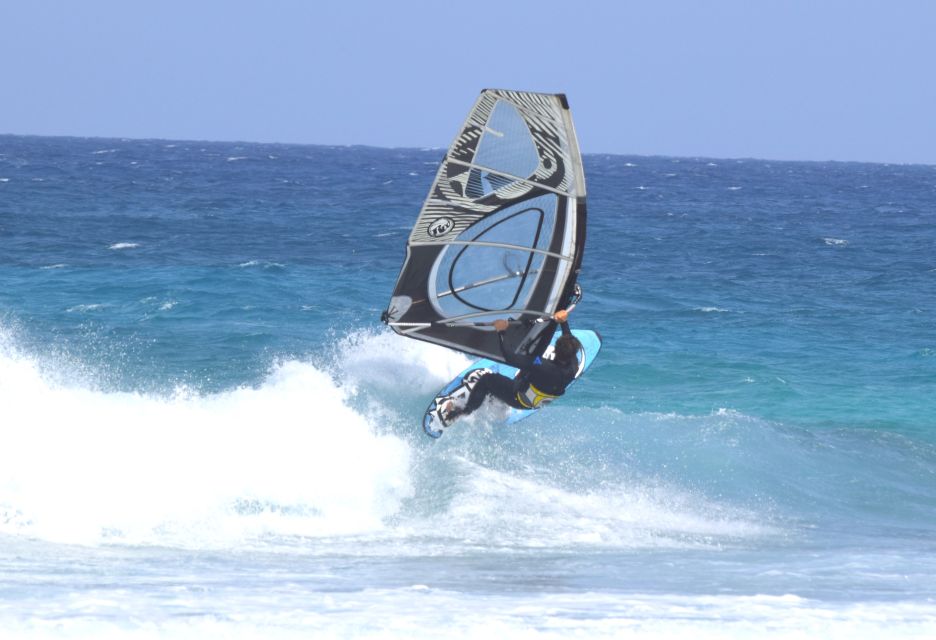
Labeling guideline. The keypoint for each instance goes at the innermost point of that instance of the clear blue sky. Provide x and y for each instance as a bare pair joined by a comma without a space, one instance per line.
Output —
795,79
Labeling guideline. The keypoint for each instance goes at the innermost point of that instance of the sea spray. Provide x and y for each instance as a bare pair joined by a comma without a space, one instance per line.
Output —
287,457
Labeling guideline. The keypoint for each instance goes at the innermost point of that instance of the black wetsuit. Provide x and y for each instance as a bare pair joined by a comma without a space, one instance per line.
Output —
538,380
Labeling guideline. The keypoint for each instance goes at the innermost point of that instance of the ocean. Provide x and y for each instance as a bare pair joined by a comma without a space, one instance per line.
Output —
205,430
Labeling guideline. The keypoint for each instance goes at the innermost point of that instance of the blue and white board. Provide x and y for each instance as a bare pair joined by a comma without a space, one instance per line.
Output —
459,388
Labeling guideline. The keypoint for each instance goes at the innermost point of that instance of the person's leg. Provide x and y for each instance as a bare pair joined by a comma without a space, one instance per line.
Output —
494,384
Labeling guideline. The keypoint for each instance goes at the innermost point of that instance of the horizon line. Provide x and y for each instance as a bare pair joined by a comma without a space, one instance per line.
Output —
442,148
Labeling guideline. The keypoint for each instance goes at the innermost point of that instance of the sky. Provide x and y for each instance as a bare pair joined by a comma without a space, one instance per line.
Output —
786,80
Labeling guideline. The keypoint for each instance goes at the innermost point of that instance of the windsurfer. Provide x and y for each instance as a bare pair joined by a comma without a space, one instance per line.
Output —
539,380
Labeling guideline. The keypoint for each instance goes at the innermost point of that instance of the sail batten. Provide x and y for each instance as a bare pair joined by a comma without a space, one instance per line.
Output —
501,232
499,245
508,176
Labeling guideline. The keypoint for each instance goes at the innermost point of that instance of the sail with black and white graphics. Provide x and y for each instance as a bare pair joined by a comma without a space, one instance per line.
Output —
501,233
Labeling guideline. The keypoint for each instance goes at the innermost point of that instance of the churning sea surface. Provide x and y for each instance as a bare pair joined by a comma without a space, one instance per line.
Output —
205,430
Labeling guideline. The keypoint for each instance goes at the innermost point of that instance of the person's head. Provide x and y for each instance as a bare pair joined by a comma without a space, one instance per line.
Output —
567,348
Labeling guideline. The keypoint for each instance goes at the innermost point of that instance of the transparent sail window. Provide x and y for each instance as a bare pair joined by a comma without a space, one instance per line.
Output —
490,266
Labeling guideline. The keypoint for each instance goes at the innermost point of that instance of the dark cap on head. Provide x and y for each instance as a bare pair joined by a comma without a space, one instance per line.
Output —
567,348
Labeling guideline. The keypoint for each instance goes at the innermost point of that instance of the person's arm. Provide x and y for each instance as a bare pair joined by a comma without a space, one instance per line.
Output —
513,359
520,361
562,317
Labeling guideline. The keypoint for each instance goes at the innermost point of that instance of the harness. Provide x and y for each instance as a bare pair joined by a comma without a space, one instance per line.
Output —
532,397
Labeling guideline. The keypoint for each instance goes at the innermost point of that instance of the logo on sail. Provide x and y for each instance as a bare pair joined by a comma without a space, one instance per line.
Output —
440,226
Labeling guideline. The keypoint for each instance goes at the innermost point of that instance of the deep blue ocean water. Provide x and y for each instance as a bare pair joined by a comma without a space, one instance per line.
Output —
206,431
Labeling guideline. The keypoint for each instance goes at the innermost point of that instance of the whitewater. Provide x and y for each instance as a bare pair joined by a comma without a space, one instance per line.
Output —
205,430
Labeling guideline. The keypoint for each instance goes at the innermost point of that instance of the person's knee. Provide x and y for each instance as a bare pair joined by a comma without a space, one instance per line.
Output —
484,382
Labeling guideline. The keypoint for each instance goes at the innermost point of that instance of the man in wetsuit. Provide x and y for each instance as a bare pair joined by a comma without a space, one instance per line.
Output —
539,380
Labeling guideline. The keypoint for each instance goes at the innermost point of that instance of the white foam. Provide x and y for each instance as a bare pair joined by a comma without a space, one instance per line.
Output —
299,456
289,457
530,512
427,612
118,246
84,308
385,361
835,242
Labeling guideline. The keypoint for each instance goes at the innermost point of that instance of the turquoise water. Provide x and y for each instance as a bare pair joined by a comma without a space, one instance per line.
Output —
205,428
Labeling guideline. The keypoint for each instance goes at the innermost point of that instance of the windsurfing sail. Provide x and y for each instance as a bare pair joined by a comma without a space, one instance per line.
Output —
501,233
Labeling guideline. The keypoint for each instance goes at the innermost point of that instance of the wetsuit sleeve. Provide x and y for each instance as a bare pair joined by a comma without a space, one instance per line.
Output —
520,361
513,359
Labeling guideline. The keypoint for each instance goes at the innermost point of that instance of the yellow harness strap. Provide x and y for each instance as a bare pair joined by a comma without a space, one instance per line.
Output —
532,398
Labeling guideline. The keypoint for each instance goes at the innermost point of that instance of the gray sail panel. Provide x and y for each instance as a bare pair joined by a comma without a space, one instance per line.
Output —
497,267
